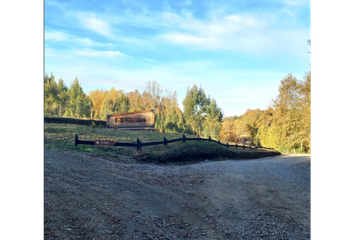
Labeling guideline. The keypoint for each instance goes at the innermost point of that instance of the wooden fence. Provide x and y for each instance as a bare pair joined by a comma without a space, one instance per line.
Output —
140,144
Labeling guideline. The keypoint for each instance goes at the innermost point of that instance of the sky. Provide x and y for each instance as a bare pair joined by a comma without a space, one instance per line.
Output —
238,51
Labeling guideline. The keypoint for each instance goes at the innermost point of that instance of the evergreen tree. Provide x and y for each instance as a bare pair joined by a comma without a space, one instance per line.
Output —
79,104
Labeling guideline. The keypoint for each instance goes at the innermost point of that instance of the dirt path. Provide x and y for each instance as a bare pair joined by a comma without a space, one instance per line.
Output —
96,198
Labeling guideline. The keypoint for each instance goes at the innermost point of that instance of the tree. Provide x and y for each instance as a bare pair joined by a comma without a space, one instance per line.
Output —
97,97
62,96
121,104
85,106
195,106
212,124
107,104
227,133
135,101
152,97
79,104
50,95
287,124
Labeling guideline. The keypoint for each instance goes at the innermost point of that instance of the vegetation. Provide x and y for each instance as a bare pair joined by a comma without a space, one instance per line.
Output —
59,100
202,114
61,137
285,125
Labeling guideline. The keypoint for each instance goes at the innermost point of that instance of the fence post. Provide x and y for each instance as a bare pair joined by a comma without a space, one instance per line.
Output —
138,144
164,141
243,145
76,139
219,141
209,139
184,138
236,143
227,145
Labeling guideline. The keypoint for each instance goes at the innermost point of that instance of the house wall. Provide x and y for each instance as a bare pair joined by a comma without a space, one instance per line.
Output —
139,119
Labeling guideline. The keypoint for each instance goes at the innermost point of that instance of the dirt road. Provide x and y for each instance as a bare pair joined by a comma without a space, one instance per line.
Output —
94,198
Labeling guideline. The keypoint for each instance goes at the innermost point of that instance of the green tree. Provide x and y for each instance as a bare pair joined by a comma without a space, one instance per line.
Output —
50,95
79,104
121,104
212,124
195,106
62,96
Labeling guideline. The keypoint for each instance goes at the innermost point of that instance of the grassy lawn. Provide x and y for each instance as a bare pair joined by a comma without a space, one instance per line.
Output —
61,137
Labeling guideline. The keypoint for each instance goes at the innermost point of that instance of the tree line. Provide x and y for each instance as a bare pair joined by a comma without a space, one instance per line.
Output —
284,126
201,114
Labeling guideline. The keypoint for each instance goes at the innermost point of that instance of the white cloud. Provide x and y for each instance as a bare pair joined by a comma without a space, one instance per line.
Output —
148,60
93,53
245,33
56,36
89,21
297,3
185,39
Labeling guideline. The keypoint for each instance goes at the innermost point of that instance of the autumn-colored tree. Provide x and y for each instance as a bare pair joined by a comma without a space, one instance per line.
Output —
147,102
171,113
285,125
135,101
112,101
97,97
227,133
289,128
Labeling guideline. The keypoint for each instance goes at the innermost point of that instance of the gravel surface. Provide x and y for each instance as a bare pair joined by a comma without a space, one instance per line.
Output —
86,197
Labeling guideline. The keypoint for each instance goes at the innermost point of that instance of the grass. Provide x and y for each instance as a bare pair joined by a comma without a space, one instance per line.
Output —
61,137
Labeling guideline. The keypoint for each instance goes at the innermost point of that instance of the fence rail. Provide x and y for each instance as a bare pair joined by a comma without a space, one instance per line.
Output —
140,144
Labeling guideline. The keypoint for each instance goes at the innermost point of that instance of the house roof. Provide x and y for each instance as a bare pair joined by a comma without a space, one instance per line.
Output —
129,113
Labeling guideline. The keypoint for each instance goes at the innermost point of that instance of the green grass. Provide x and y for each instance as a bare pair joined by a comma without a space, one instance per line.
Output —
61,137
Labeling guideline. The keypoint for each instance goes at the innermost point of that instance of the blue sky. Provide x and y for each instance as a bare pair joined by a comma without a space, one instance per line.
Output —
238,51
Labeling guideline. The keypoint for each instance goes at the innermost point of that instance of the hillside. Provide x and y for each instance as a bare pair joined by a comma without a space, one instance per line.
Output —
61,137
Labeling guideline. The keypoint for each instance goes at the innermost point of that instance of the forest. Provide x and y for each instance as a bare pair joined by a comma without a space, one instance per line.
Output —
284,126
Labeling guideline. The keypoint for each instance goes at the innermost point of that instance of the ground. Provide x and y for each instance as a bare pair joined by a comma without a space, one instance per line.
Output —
88,197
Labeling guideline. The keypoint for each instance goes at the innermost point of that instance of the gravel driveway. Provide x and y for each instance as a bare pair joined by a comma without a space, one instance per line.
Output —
86,197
